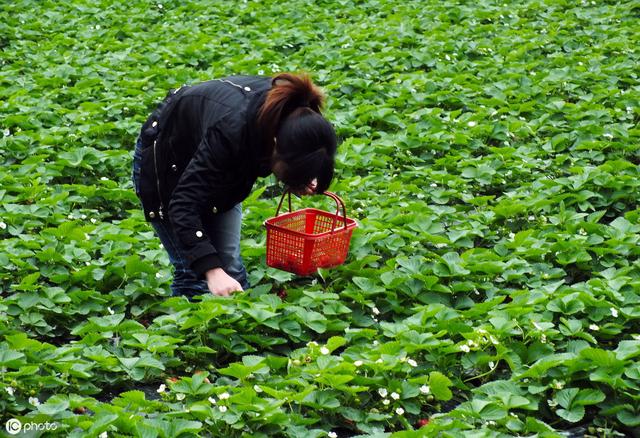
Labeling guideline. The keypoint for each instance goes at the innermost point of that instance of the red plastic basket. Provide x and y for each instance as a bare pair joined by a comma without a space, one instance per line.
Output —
304,240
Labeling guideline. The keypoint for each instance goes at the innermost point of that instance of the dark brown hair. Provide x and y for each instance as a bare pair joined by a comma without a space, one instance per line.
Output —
303,142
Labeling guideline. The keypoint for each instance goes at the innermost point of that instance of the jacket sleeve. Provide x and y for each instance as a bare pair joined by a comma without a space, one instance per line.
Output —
202,183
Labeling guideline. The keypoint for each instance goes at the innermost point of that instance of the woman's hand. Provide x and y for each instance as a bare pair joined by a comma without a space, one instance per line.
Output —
220,283
309,189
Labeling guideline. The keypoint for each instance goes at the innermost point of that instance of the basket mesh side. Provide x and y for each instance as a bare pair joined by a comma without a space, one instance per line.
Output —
305,254
285,250
324,223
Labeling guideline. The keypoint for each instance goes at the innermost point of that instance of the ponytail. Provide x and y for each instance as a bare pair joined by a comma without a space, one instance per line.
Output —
302,141
288,93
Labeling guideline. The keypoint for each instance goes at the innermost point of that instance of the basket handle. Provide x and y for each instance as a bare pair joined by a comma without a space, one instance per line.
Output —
339,203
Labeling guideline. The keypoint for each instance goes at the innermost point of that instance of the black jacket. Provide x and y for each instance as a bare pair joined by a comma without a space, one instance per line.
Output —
202,153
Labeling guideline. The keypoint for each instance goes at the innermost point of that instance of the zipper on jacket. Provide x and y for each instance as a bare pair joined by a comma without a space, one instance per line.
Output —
235,85
155,165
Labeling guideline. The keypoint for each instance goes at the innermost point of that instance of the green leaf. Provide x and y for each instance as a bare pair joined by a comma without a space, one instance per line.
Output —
335,342
322,400
145,430
134,266
627,350
572,415
629,418
588,397
368,285
179,426
291,327
54,405
11,358
439,384
260,314
566,396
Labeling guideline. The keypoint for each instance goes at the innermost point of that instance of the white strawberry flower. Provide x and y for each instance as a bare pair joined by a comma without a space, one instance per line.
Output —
465,348
324,350
332,435
395,395
614,312
222,408
180,396
3,225
358,363
161,388
256,388
471,124
412,362
594,327
386,401
424,389
224,396
400,411
34,401
383,392
212,400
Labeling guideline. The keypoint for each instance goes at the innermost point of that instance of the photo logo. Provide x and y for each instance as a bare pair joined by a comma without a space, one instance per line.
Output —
13,426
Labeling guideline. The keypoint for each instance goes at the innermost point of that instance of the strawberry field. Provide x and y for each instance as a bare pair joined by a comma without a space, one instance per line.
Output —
489,152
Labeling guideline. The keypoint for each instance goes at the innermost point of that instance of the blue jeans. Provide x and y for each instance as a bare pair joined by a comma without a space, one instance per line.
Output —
224,229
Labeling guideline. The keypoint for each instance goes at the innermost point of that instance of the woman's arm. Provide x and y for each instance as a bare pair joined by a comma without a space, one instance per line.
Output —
201,187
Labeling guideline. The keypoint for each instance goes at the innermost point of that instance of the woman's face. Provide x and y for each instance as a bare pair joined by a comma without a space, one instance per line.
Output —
279,169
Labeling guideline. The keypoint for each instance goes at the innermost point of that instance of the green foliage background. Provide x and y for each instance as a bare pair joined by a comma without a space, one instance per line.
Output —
490,155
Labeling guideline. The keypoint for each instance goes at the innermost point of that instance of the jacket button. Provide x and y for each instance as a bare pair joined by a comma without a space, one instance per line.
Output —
214,209
174,167
198,233
247,89
155,123
152,214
